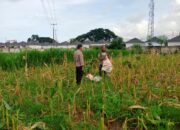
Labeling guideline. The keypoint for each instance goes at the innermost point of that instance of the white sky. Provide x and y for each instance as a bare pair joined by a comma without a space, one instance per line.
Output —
127,18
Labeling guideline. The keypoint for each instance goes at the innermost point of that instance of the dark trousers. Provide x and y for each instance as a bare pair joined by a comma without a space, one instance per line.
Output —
100,70
79,74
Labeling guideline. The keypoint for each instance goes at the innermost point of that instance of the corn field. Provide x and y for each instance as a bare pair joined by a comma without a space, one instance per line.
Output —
37,58
38,91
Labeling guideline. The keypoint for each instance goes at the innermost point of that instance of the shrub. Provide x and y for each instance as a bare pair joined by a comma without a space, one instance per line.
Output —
117,44
137,49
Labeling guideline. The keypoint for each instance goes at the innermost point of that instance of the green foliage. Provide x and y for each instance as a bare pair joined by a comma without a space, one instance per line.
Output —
31,108
36,58
34,38
96,35
142,94
163,40
57,122
117,44
37,39
137,49
170,113
127,63
85,126
153,39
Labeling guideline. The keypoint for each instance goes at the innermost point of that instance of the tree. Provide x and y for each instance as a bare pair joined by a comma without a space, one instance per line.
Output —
34,38
117,43
45,40
96,35
163,40
29,40
37,39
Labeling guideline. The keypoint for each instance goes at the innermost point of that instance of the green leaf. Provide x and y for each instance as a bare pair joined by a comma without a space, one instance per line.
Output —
6,105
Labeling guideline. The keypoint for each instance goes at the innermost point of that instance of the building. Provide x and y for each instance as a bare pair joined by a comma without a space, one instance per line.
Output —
67,45
134,41
174,42
153,42
11,41
93,44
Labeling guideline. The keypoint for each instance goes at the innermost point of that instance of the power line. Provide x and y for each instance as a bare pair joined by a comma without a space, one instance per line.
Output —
54,10
50,12
54,24
50,8
46,11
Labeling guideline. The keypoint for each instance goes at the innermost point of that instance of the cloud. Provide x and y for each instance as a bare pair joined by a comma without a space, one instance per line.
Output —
137,26
67,2
131,30
11,1
76,2
177,1
25,17
136,18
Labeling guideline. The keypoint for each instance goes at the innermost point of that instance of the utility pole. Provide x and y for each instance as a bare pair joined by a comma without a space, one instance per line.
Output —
53,27
172,34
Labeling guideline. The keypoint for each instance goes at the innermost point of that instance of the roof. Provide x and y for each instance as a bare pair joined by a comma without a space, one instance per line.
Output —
64,43
135,40
154,39
175,39
2,45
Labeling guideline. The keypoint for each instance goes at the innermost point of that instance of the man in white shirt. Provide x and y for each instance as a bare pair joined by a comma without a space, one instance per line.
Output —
103,55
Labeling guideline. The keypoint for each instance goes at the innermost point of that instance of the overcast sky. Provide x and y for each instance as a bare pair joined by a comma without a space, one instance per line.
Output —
19,19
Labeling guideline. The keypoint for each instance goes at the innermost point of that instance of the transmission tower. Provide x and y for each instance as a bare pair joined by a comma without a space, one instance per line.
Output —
54,31
151,19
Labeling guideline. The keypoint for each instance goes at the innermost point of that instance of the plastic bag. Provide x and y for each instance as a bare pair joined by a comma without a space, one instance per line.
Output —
94,78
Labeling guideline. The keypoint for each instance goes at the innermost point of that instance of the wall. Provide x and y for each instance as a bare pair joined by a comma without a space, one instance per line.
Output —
49,47
174,44
154,44
165,50
129,45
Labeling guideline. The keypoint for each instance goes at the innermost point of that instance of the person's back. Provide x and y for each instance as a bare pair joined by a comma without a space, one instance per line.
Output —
79,62
78,58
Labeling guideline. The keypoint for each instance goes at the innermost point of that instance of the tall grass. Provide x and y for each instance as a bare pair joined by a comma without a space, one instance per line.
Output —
142,93
9,61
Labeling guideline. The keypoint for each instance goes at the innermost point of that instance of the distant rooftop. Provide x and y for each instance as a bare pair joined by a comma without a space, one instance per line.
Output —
135,40
175,39
154,39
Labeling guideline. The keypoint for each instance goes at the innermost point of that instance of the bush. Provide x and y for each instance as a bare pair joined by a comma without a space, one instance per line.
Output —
117,44
137,49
